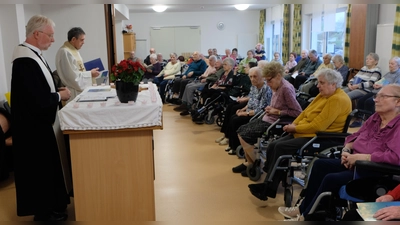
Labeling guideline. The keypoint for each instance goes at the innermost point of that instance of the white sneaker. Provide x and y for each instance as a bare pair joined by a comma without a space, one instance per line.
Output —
289,212
298,218
219,139
224,141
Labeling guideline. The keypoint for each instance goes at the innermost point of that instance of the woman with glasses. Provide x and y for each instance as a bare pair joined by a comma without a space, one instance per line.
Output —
377,141
283,103
392,77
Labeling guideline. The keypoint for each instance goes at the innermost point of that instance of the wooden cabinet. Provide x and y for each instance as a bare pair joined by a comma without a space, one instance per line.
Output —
129,44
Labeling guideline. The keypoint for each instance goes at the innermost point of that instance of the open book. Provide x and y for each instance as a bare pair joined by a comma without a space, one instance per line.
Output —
368,209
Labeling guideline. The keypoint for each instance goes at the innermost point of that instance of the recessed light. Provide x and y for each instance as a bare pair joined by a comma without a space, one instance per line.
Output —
241,6
159,8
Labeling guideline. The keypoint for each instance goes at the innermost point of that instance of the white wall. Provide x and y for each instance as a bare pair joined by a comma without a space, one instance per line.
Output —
387,13
236,22
90,18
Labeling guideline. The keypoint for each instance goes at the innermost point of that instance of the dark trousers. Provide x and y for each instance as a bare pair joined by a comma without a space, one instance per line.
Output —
286,145
325,175
234,124
366,102
229,111
180,84
299,80
161,83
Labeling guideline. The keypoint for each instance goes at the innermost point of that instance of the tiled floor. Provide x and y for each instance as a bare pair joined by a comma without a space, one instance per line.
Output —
193,181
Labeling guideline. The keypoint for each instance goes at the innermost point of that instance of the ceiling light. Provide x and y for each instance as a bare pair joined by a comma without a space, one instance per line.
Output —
159,8
241,6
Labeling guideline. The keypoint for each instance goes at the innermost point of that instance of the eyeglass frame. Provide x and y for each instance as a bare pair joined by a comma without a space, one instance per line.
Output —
380,96
48,35
269,80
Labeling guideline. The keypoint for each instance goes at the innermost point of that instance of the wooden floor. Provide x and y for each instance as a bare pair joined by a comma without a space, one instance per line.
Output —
194,180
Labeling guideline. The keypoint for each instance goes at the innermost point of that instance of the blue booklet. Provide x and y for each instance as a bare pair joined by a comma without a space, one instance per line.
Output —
95,63
368,209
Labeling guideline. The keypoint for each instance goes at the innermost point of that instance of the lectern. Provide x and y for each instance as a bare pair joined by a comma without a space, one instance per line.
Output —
112,155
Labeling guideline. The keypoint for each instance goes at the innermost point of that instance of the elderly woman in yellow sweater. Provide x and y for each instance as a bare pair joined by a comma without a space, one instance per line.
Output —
327,112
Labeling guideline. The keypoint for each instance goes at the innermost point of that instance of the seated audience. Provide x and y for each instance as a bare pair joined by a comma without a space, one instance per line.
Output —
227,54
205,78
215,52
132,56
277,58
259,53
259,97
367,102
327,112
283,103
338,62
376,140
363,81
162,61
153,69
195,69
210,53
291,63
147,59
172,68
235,55
262,63
300,65
245,61
308,70
232,108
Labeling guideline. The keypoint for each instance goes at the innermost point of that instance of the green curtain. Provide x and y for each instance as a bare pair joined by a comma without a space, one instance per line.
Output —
347,38
262,24
285,33
296,36
396,34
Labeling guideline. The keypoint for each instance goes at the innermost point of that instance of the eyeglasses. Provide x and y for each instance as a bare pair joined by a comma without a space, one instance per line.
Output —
49,35
379,96
269,79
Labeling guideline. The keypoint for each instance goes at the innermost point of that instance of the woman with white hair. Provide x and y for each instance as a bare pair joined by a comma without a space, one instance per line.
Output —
327,113
153,69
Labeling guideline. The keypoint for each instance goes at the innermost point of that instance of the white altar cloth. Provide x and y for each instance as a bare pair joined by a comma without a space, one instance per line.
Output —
111,114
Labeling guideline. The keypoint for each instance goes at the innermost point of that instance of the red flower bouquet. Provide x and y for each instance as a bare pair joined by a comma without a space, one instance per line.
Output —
128,71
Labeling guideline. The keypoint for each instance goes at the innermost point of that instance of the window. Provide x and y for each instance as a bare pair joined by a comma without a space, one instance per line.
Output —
276,38
328,32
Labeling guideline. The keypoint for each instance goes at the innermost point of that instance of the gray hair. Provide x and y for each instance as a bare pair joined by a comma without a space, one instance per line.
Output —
262,63
213,57
230,61
252,51
153,56
396,59
257,70
312,51
37,22
328,55
338,58
331,76
374,56
173,53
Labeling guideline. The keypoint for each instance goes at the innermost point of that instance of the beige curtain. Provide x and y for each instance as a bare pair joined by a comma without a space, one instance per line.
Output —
285,33
347,38
396,34
261,28
296,35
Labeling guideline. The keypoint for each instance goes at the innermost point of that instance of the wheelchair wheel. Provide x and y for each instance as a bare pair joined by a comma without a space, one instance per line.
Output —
209,119
254,171
240,152
288,197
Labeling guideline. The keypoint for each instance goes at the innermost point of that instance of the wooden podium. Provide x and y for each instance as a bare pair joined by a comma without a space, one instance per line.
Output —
112,169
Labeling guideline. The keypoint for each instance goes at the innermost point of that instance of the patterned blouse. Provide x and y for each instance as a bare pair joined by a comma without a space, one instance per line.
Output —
259,98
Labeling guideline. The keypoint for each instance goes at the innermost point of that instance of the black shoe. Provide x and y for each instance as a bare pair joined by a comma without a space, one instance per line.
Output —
184,113
239,169
180,108
258,190
53,216
244,173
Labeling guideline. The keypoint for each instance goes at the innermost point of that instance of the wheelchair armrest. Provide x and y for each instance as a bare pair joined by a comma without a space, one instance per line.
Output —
378,167
286,119
332,135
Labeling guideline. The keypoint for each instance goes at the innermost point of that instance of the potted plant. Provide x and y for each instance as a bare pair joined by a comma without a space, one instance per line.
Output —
127,75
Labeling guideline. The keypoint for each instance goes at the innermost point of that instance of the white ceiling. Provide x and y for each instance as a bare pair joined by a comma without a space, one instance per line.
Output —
146,8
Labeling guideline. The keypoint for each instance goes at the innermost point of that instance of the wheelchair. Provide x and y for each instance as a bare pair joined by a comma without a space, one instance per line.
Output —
210,109
273,132
325,144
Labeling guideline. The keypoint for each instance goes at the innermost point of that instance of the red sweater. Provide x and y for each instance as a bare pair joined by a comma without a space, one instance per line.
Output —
395,193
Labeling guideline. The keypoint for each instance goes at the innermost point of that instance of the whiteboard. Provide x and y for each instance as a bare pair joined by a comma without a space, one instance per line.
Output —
384,38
